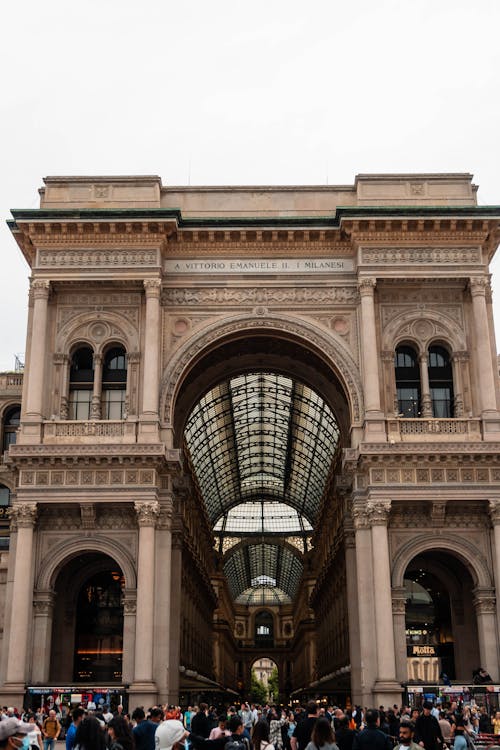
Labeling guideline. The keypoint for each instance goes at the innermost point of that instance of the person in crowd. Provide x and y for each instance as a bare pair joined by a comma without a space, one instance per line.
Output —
35,738
169,733
344,735
77,716
120,734
427,730
200,723
144,730
247,718
303,731
459,742
51,729
445,727
484,724
90,735
496,723
107,715
260,736
220,730
322,737
481,677
188,714
13,733
275,724
405,737
372,738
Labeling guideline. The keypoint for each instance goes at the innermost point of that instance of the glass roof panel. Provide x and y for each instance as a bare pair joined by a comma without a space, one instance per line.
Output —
261,445
263,595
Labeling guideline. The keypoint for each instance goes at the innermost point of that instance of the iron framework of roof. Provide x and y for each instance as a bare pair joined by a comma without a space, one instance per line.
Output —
261,446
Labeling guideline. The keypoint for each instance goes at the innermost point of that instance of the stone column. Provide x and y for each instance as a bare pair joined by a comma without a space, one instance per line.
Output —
386,687
63,361
129,615
374,428
143,686
151,354
484,364
43,609
425,395
365,603
95,410
485,607
40,289
352,611
162,609
494,507
175,616
458,387
24,516
399,626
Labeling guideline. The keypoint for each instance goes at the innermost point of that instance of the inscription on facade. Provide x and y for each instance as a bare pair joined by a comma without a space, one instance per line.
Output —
260,265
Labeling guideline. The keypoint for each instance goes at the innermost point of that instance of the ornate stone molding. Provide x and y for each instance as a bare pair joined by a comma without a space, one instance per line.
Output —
88,515
360,515
367,286
484,601
152,287
421,255
494,508
133,358
85,260
438,512
40,288
147,512
398,601
378,512
43,603
261,295
23,515
130,603
479,286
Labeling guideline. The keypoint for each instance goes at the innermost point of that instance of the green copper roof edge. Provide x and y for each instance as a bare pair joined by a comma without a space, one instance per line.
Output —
332,220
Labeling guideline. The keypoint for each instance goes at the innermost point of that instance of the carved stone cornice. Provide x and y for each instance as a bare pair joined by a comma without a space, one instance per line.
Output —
23,515
378,512
147,512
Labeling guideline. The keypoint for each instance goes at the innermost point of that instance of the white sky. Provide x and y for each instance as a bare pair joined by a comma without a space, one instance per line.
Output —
220,92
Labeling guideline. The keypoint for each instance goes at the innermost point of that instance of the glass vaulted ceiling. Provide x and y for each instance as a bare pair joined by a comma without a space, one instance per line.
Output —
261,445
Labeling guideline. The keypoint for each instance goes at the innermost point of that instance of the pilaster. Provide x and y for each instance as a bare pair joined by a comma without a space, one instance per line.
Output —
149,418
374,418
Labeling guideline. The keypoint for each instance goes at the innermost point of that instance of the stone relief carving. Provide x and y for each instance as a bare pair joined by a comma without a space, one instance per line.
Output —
260,295
420,255
85,260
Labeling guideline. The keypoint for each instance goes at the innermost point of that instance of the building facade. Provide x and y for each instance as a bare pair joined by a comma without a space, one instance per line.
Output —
254,423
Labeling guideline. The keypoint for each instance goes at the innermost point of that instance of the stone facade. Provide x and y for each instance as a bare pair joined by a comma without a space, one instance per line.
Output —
182,279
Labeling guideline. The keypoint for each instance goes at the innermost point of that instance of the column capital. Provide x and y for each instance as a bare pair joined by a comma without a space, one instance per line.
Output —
360,516
367,286
479,286
40,288
387,356
494,508
147,512
43,603
60,358
166,511
484,601
97,358
130,602
378,512
133,357
398,600
23,515
460,356
152,287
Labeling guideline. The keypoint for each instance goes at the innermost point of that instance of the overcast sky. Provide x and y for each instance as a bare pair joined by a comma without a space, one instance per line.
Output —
260,92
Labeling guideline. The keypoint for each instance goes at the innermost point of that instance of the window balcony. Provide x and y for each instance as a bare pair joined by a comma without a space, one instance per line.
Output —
92,431
433,430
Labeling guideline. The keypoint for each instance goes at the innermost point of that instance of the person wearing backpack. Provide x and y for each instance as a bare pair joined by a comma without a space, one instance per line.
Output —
235,742
260,736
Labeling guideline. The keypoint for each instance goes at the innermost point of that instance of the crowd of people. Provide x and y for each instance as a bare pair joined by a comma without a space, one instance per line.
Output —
251,727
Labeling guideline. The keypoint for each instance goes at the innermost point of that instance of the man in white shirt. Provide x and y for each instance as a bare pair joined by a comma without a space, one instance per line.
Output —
406,730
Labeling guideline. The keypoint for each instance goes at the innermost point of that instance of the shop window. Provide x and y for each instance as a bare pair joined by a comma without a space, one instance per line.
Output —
81,383
440,382
10,424
407,382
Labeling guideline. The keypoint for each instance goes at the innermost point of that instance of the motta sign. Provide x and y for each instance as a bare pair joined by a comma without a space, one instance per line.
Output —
259,265
422,651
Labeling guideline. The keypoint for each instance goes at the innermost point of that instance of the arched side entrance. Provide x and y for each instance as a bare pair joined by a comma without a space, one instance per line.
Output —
449,621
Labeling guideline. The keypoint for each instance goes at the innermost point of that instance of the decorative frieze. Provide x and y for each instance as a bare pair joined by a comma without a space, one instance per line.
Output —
88,514
87,477
87,260
434,475
421,255
260,295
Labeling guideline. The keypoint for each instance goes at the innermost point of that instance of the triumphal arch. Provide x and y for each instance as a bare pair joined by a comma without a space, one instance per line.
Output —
255,423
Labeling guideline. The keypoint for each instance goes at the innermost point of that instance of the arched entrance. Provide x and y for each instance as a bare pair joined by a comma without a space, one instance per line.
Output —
87,632
262,417
265,678
440,620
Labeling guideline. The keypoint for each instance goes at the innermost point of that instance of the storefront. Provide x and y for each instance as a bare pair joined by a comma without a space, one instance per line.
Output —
70,696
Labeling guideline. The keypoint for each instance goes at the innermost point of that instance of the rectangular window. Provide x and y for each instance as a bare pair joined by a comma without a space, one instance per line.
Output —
80,401
113,403
408,403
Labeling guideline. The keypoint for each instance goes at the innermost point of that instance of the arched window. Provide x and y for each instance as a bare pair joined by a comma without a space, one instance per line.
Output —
114,384
10,425
81,383
264,629
407,381
4,497
440,382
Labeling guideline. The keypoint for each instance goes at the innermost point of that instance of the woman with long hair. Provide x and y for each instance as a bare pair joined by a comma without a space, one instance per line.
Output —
260,736
120,734
322,737
90,735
